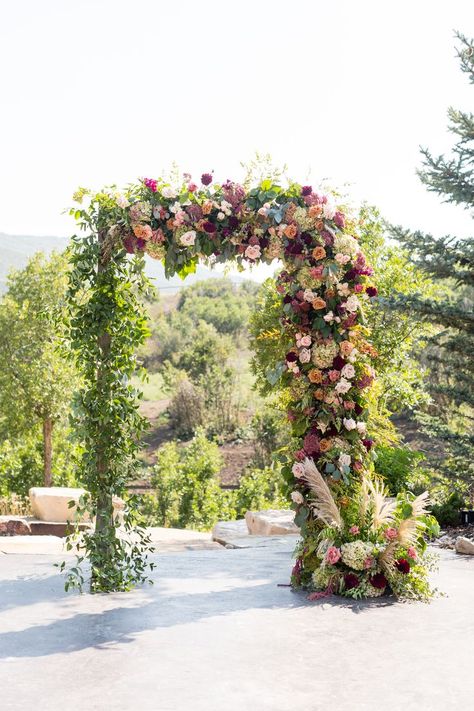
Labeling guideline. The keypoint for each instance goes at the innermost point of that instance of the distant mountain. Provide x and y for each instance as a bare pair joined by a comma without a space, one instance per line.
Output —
15,250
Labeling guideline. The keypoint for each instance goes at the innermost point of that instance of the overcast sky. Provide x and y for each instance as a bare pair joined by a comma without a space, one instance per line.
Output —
104,91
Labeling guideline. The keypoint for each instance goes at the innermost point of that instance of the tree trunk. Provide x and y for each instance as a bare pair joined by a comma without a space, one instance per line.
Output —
104,525
47,451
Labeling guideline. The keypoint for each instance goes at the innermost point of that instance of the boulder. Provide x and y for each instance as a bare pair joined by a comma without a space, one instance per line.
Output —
271,522
464,545
14,526
225,530
52,504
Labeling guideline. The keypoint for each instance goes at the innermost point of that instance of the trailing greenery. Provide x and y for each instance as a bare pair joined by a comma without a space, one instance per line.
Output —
106,326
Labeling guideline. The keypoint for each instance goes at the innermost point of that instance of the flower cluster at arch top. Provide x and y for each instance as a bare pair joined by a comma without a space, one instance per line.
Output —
323,286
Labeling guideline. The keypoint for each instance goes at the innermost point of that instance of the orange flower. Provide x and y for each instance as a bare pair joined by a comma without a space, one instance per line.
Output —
319,252
315,376
325,445
320,225
315,210
206,207
291,231
330,294
346,348
318,303
142,231
319,394
170,223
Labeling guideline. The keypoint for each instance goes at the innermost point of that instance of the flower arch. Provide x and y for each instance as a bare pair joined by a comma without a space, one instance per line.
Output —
327,371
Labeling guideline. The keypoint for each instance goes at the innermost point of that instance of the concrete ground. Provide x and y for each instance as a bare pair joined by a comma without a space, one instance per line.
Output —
217,633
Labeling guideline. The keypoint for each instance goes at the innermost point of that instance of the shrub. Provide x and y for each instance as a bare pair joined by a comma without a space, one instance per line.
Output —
260,489
270,432
399,466
186,408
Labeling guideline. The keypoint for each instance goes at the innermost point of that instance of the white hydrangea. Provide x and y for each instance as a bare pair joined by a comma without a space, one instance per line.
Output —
355,553
322,576
346,244
370,591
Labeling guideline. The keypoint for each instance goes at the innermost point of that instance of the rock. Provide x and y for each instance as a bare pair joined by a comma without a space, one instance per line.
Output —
14,526
225,530
464,545
271,522
52,504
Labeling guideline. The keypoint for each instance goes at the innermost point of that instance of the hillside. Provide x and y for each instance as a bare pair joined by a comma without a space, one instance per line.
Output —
15,250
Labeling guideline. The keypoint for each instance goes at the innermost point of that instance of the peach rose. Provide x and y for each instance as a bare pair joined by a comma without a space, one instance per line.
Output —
290,231
315,210
206,207
318,303
346,348
325,445
315,376
319,252
319,394
142,231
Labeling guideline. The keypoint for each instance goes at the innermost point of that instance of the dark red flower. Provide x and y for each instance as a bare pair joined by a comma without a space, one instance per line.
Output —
338,363
129,243
403,566
140,244
291,357
378,581
206,178
371,291
368,444
233,222
311,443
210,227
351,581
306,190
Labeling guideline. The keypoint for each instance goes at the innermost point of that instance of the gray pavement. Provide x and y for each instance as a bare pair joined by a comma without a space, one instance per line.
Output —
216,633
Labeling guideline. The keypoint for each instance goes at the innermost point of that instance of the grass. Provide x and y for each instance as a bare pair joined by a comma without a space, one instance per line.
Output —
152,387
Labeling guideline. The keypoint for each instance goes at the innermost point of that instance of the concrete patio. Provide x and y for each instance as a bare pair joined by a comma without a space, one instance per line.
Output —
217,633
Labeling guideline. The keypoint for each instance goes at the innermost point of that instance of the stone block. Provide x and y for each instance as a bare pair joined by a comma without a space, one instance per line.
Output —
271,522
464,545
14,526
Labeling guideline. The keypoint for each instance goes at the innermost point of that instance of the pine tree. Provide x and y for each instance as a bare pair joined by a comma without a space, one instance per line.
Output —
450,263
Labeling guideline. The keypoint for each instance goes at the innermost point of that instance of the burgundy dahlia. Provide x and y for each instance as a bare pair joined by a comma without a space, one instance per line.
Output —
368,444
378,581
233,222
129,244
338,363
311,443
403,566
206,178
306,190
209,227
291,357
371,291
351,581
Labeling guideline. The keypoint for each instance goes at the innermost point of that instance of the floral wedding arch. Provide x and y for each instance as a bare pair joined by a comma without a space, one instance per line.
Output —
354,541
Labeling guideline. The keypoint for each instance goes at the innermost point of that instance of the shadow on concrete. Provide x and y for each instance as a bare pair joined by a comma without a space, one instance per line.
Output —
179,597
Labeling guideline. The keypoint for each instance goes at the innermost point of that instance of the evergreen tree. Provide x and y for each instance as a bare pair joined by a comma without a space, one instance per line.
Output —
450,263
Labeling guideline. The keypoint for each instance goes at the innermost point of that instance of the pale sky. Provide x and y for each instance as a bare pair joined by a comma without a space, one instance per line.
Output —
104,91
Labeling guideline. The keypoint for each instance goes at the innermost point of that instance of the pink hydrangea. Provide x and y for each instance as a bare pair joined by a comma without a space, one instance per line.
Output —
390,533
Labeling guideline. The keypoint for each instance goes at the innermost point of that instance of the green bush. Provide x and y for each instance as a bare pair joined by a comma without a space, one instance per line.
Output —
21,462
399,466
260,489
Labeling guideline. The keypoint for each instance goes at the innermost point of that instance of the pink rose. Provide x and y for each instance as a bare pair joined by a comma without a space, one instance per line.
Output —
333,554
390,533
253,251
358,288
298,469
334,375
354,530
411,552
305,341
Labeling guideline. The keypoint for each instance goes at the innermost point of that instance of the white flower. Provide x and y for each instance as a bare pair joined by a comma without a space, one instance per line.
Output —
298,469
309,295
349,423
343,289
355,553
348,371
346,244
303,341
344,460
361,428
329,317
220,216
175,207
297,497
121,200
188,238
305,355
343,386
352,303
169,193
342,258
226,207
329,208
